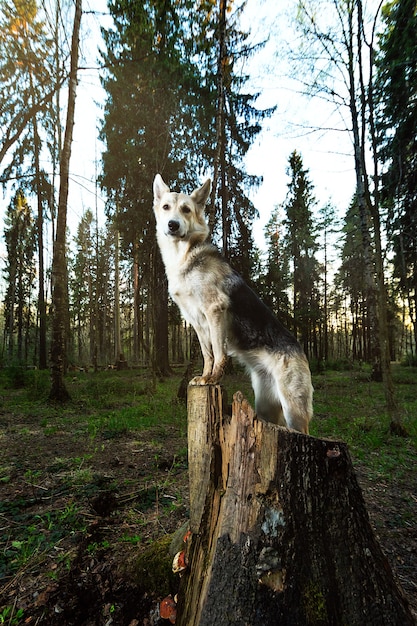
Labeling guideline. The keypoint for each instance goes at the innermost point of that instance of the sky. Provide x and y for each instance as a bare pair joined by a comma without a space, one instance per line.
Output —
297,124
327,155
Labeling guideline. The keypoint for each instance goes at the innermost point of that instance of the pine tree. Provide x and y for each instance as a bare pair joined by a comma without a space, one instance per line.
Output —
275,282
237,121
147,117
20,273
350,280
301,244
25,74
396,89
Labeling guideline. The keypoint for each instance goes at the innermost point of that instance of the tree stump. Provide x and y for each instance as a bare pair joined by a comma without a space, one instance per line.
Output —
280,532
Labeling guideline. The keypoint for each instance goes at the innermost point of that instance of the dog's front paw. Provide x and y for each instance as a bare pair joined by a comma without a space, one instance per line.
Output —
204,380
198,380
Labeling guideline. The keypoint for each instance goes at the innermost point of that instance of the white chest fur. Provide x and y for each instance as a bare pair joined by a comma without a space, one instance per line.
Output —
180,286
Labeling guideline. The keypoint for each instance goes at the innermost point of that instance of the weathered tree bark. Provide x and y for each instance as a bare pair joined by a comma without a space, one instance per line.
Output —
280,532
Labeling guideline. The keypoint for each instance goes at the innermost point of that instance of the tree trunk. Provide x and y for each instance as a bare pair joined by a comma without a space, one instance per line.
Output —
43,361
117,336
218,161
195,353
160,361
364,216
393,409
58,391
280,533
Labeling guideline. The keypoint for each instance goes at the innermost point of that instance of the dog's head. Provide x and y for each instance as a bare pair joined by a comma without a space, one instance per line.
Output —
180,216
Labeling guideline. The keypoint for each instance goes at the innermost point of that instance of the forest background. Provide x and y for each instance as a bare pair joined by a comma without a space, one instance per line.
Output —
180,100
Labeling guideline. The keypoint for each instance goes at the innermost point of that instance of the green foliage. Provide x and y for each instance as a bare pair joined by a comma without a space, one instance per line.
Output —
95,547
34,535
37,384
135,539
19,235
396,90
25,65
300,241
410,360
14,376
9,615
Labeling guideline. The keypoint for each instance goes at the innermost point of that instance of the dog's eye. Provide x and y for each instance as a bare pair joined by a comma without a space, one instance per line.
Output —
186,209
166,207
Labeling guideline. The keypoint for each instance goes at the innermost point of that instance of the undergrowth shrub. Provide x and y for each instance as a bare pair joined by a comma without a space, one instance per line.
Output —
14,376
37,384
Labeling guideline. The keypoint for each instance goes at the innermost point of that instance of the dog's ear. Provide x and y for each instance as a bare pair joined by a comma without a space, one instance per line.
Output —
159,188
201,194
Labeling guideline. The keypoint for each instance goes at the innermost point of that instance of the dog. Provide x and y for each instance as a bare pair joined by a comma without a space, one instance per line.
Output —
228,317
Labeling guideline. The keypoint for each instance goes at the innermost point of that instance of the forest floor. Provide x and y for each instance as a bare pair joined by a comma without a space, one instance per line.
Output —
90,494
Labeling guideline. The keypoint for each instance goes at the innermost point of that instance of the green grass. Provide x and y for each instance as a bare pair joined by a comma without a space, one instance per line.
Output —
348,406
108,405
9,615
103,402
34,535
103,406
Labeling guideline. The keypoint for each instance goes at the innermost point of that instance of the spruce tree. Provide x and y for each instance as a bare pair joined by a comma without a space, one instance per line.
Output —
350,282
151,98
301,244
19,273
238,122
396,90
165,65
275,282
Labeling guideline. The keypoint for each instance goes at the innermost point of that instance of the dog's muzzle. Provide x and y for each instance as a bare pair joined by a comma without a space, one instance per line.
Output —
173,227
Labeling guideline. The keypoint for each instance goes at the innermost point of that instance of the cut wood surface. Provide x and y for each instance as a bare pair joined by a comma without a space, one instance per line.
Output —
280,532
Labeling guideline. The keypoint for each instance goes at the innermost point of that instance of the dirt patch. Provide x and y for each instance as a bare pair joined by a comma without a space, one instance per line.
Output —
77,513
